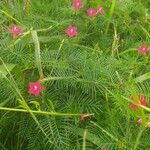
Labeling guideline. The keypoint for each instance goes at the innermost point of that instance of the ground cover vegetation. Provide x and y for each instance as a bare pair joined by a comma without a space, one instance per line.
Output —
74,75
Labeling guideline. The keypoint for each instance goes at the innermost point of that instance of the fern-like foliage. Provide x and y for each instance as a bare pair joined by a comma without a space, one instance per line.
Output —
96,73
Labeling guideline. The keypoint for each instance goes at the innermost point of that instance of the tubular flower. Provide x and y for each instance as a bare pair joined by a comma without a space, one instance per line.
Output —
35,88
77,4
71,31
15,30
91,12
143,49
141,100
100,10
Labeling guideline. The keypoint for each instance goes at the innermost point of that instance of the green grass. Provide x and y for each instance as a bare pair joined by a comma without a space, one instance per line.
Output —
96,72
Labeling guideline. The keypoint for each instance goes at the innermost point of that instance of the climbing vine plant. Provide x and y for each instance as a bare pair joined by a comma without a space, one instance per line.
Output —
74,75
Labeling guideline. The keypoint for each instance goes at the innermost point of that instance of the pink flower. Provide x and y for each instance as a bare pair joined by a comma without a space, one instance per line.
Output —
142,101
35,88
100,10
77,4
71,31
143,49
15,30
84,116
134,106
92,12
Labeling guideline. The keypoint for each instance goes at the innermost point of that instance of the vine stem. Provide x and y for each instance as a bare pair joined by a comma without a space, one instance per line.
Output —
56,78
103,130
24,104
138,139
111,11
9,16
84,140
57,55
38,112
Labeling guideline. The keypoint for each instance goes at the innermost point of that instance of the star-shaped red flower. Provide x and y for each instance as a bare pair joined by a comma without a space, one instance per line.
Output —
35,88
141,100
71,31
143,49
15,30
77,4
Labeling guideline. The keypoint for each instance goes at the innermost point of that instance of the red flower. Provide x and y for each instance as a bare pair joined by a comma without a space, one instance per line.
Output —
15,30
100,10
84,116
35,88
143,49
92,12
71,31
141,100
134,106
77,4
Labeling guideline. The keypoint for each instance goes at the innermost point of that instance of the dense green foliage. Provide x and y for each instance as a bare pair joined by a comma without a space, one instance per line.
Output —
96,72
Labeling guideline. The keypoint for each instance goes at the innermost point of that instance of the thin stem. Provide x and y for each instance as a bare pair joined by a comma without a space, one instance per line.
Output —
43,30
12,81
19,39
138,139
9,16
142,78
103,130
84,140
110,15
38,112
60,47
2,146
55,78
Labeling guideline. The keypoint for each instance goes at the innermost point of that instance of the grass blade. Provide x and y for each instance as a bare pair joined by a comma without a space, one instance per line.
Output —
37,53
